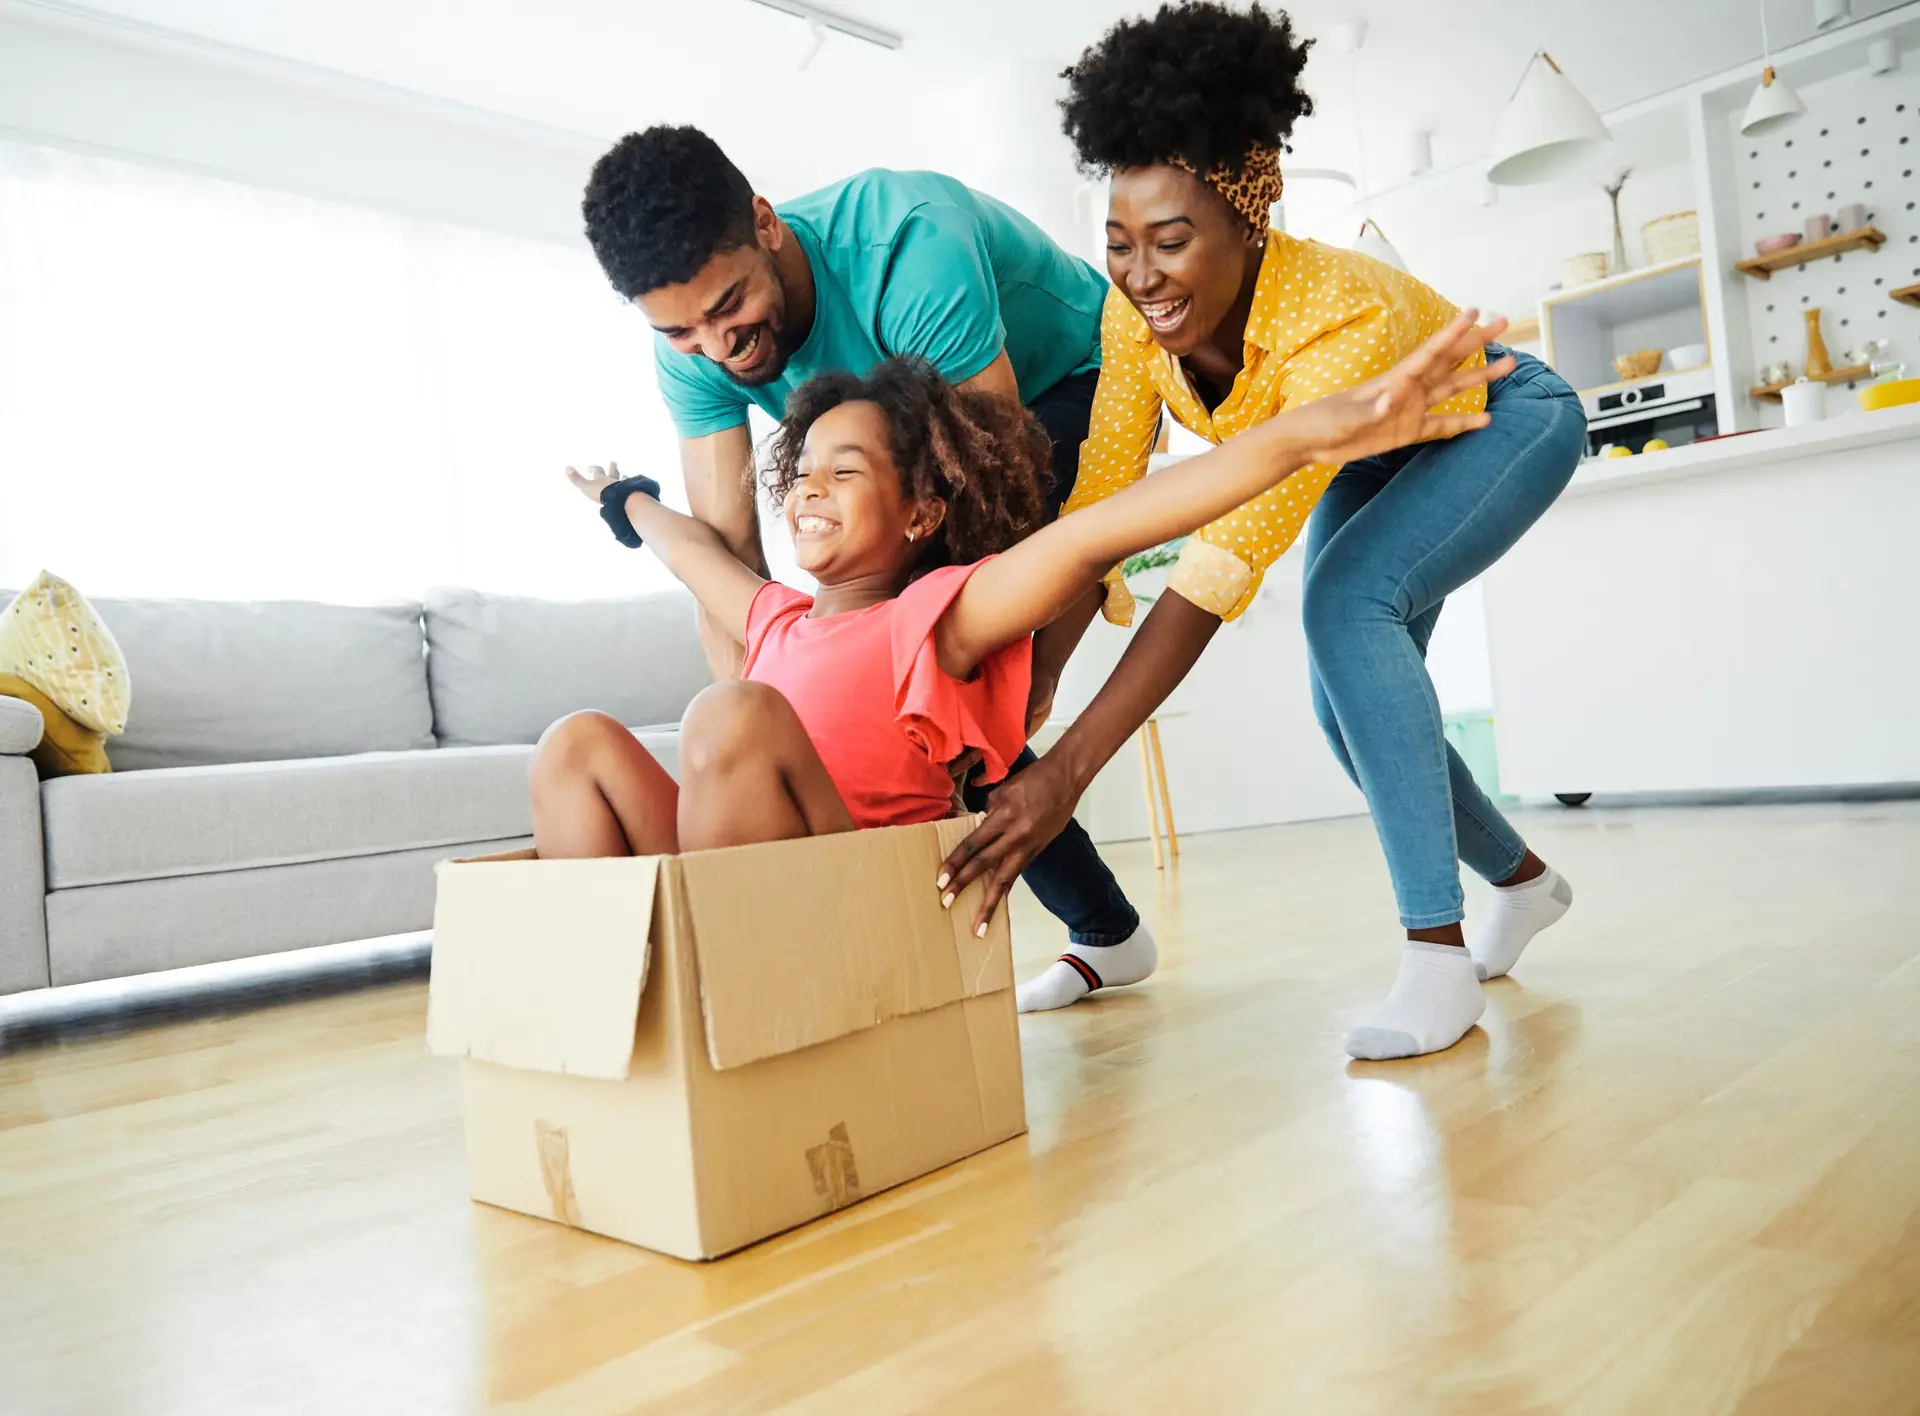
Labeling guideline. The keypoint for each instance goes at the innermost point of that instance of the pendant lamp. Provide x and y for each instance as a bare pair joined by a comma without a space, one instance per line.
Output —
1774,104
1549,129
1372,241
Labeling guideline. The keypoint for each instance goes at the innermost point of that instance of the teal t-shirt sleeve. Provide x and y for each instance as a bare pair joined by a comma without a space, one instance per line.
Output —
940,300
698,404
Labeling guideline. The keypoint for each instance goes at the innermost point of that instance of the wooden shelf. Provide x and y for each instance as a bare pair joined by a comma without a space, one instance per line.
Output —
1763,267
1770,393
1527,331
1907,294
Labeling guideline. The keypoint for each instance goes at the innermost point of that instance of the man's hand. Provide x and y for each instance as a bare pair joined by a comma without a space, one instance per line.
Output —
1391,411
1028,811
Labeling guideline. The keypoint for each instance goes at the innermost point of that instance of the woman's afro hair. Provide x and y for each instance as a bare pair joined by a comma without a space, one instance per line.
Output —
1198,81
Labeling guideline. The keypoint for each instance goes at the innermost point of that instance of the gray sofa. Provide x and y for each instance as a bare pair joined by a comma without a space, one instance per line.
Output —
291,771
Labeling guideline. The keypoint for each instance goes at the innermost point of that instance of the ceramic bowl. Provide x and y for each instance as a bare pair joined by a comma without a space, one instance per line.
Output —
1783,241
1888,395
1687,356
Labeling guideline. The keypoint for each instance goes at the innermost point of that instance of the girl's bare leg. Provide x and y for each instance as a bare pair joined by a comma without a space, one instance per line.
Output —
598,792
750,773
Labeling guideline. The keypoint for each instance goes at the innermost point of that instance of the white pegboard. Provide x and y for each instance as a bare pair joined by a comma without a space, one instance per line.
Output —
1859,142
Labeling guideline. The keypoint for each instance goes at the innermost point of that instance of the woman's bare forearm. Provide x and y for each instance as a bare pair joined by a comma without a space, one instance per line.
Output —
1030,586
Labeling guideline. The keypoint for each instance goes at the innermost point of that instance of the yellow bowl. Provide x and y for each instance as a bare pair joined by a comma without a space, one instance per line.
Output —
1638,364
1888,395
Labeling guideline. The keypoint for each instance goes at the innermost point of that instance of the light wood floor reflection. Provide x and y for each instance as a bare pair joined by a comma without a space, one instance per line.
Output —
1676,1170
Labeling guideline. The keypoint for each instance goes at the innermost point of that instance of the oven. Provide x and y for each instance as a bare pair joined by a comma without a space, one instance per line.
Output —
1676,409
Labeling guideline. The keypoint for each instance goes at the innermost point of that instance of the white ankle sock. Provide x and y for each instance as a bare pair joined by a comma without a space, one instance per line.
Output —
1517,914
1433,1001
1085,967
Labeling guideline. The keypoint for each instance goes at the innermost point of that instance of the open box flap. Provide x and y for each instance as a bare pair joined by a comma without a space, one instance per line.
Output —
800,942
539,964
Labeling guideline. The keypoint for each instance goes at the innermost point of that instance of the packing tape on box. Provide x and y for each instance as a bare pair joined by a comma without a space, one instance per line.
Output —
556,1171
836,1179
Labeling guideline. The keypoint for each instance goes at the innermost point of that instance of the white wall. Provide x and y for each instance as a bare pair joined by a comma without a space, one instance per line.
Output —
280,124
333,138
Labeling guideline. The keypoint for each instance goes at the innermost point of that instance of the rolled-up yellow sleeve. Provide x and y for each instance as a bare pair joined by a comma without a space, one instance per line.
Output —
1221,568
1121,429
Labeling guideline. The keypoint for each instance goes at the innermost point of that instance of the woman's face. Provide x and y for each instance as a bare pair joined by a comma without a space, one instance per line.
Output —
1177,250
847,515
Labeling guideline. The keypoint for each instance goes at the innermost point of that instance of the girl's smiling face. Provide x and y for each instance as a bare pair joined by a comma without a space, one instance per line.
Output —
847,514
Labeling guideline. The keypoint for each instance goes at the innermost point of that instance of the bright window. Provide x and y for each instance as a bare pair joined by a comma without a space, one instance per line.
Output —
212,390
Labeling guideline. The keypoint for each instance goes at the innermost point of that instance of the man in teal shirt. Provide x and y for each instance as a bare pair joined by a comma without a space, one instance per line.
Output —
749,301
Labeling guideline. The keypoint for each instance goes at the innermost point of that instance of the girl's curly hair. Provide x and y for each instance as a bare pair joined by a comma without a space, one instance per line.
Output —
1198,81
985,456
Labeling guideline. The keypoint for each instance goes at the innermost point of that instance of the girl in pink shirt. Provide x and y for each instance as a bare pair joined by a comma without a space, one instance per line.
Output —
916,507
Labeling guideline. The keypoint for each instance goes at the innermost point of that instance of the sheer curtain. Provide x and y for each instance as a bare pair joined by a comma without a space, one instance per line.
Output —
209,389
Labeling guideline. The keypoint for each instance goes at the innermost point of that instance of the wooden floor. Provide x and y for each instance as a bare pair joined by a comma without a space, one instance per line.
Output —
1676,1171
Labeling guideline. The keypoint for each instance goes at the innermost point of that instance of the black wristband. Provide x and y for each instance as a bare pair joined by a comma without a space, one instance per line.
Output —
613,506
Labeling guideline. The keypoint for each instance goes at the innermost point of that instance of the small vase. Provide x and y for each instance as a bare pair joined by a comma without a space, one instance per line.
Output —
1818,362
1617,257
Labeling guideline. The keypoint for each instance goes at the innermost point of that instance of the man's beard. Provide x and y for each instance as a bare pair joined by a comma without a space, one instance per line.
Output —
772,368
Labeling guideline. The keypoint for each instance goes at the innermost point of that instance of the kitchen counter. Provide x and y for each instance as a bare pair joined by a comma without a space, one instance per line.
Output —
1726,616
1835,435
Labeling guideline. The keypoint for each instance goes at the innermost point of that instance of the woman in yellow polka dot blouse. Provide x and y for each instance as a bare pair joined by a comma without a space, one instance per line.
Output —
1223,323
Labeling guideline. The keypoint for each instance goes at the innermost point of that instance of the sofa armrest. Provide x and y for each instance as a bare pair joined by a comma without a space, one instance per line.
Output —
21,727
23,889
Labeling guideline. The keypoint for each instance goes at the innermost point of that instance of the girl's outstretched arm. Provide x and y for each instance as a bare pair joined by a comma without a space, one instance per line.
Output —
1027,587
692,550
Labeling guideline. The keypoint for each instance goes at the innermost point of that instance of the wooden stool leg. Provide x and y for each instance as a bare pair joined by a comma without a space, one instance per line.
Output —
1153,811
1166,797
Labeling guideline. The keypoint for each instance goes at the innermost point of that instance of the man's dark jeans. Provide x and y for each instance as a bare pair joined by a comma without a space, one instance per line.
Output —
1068,876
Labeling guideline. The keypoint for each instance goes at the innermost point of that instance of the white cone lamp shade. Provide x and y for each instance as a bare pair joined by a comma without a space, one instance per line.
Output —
1549,129
1372,241
1773,105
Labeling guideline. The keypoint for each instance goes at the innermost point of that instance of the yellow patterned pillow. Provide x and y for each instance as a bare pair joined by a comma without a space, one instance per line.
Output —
65,748
51,637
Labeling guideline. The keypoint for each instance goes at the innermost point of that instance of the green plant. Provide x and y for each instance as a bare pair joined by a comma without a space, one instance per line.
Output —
1155,559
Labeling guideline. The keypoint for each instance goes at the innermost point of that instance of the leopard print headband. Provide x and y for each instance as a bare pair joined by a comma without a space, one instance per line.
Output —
1251,188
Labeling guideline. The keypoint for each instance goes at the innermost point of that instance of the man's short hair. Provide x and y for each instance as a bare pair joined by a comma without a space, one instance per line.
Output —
663,203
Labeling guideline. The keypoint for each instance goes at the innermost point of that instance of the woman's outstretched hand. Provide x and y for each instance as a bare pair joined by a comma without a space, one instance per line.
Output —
1392,410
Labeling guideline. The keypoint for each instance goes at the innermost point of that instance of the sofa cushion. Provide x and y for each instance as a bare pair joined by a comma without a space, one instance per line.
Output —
502,668
219,681
242,816
143,926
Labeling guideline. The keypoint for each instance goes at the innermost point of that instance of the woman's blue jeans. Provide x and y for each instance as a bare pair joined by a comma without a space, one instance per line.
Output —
1392,537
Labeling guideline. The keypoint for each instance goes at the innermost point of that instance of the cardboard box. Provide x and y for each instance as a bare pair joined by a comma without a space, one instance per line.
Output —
693,1052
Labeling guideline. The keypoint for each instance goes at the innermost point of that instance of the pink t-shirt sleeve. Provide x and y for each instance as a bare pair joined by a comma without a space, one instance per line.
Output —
772,602
939,713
